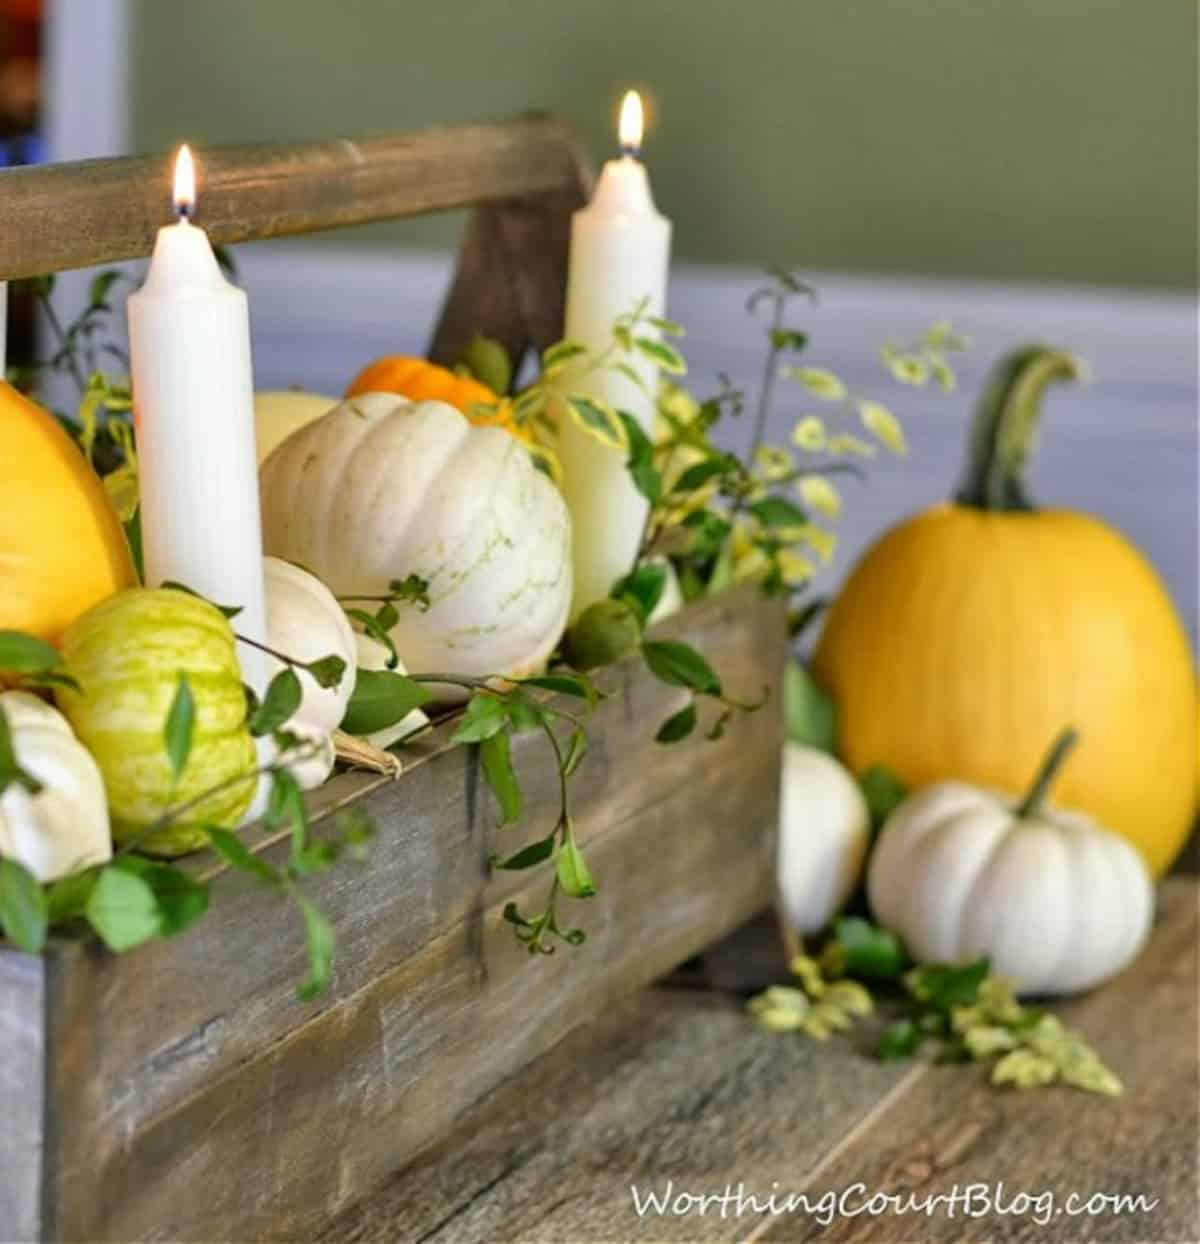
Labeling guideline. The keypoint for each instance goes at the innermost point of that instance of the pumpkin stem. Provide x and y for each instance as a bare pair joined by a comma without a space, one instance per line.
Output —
1005,427
1031,805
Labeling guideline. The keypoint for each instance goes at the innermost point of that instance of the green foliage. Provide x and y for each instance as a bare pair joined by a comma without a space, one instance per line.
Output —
24,915
960,1009
809,714
180,726
883,791
488,362
380,699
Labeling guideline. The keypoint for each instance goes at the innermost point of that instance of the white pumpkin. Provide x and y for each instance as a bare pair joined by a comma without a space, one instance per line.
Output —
64,828
372,655
304,621
1056,902
671,601
310,761
824,832
380,488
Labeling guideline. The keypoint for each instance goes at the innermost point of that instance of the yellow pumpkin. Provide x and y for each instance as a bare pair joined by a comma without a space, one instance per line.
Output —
974,631
61,545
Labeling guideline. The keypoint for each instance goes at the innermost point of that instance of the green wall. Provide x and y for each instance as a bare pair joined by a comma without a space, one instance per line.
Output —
1041,139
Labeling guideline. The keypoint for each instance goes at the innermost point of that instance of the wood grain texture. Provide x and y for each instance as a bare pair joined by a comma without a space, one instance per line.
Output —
99,211
677,1088
188,1060
22,1098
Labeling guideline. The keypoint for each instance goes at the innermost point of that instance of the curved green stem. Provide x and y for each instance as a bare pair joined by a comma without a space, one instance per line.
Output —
1005,427
1031,805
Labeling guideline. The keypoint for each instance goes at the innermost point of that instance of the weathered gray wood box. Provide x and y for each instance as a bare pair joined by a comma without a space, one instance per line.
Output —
182,1092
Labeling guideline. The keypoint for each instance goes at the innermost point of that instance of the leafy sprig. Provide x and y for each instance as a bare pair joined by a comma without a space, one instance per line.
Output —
961,1011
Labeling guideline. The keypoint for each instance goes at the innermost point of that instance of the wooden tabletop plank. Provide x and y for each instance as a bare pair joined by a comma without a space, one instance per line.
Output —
951,1129
675,1088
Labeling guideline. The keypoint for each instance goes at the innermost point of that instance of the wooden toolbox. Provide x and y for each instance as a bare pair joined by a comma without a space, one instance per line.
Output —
182,1092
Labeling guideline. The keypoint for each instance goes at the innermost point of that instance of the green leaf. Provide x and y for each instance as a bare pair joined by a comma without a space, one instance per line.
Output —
573,874
529,855
524,714
565,684
26,654
642,587
640,463
819,381
883,425
598,419
377,631
575,751
180,726
100,287
944,986
488,362
778,512
10,769
380,699
181,899
319,933
23,909
495,755
560,354
123,909
678,726
680,665
809,713
788,339
662,353
283,697
66,898
412,590
327,671
237,855
900,1040
883,791
700,473
484,717
869,951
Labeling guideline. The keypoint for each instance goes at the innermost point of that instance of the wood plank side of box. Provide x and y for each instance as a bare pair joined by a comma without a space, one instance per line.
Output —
182,1092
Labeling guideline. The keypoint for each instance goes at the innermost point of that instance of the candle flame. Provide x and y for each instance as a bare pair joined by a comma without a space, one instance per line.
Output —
185,181
631,123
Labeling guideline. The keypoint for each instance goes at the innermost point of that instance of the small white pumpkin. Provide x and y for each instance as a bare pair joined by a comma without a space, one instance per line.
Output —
1056,902
64,828
304,621
824,832
380,488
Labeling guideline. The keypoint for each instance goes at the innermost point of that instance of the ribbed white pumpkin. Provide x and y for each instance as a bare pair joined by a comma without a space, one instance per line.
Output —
65,827
380,488
1056,902
824,831
304,621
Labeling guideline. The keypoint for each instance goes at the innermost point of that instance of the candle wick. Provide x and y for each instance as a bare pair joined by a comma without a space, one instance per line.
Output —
630,151
183,212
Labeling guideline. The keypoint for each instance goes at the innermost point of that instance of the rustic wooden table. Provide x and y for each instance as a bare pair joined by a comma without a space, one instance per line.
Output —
676,1089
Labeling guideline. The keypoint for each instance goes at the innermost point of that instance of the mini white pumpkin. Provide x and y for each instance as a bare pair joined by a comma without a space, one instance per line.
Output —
1056,902
824,832
64,828
304,621
380,488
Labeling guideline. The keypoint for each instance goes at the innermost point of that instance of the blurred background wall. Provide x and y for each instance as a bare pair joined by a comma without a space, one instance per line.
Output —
1036,139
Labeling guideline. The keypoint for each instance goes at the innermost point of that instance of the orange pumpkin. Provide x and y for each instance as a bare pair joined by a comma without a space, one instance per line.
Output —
422,381
61,546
